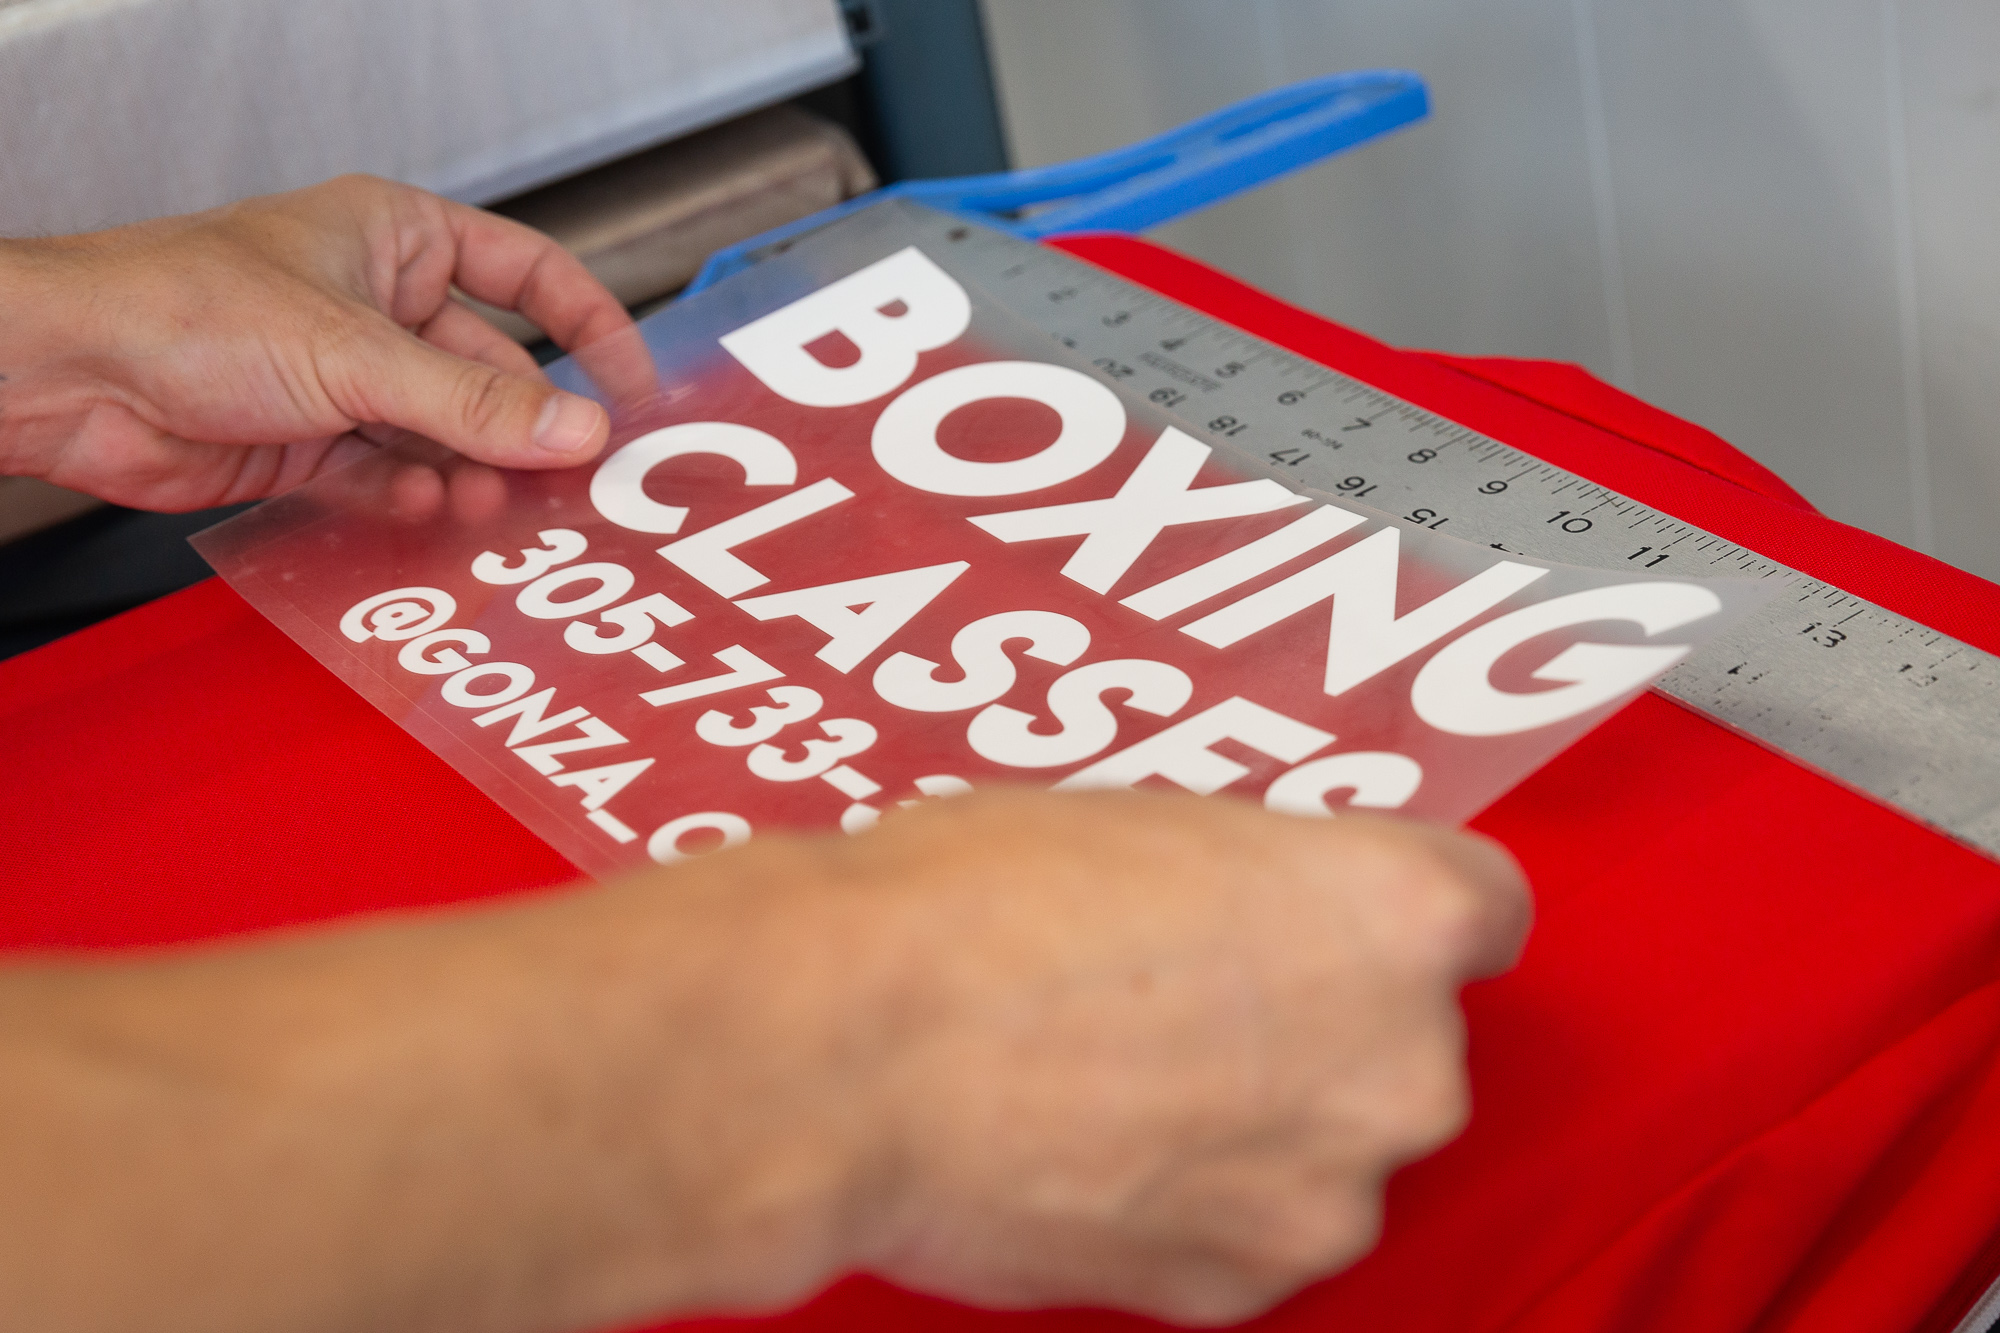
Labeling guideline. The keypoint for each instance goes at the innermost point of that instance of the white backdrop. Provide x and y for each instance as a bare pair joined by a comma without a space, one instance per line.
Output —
1778,218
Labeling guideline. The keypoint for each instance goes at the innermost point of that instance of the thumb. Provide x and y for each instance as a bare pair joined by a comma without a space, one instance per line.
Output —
504,419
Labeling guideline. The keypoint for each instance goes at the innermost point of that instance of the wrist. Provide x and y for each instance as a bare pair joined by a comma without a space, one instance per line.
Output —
597,1108
752,991
17,318
17,307
678,1084
35,324
42,330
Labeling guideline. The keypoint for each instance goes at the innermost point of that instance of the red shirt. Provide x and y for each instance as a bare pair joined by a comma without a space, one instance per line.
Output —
1744,1078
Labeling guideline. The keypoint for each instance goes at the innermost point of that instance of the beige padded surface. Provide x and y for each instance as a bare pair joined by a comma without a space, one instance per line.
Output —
646,223
27,505
112,110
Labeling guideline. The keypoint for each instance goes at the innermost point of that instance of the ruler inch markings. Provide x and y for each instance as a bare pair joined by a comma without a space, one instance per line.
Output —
1855,711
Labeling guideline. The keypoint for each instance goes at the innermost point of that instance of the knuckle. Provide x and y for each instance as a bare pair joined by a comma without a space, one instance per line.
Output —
1460,922
484,398
1308,1238
1411,1097
348,351
1214,1302
1427,1101
361,183
1459,918
1296,1227
341,334
1440,1102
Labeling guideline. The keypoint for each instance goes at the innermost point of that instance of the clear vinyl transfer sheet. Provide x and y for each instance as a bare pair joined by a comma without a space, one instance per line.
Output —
862,538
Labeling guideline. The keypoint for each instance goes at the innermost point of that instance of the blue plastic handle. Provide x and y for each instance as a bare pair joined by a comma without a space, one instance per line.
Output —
1129,189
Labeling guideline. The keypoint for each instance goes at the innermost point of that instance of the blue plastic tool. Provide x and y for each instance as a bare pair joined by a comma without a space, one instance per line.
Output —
1147,183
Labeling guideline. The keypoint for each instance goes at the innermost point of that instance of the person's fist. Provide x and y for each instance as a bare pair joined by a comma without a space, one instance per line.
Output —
1155,1052
229,355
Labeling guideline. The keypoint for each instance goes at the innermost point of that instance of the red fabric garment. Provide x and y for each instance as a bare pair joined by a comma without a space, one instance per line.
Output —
1745,1077
1576,392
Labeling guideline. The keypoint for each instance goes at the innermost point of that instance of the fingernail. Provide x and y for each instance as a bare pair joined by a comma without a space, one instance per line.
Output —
567,423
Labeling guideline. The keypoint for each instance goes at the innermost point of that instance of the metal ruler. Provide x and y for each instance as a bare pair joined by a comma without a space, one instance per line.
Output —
1875,701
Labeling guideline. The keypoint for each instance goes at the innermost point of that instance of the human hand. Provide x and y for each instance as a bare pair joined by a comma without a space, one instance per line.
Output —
1161,1053
1118,1049
226,356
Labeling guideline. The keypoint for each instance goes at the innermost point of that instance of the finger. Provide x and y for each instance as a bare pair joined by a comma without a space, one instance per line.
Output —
415,493
621,367
515,267
1462,894
507,264
300,463
476,493
397,379
1500,910
457,330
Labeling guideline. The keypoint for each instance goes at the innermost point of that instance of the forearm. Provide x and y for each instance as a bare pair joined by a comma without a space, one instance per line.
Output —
459,1123
24,313
1110,1048
44,330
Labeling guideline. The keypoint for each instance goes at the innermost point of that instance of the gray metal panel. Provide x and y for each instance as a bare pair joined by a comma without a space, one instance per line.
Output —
113,110
930,89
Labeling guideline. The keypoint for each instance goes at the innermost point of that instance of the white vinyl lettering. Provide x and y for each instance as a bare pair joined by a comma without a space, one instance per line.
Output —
559,547
1454,692
708,554
617,828
892,601
1379,780
400,613
940,786
1116,531
1004,734
599,785
1246,562
789,704
618,487
980,650
530,717
665,844
905,437
653,655
745,668
850,782
1366,636
458,690
635,620
1180,753
597,734
417,655
845,737
935,311
538,599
